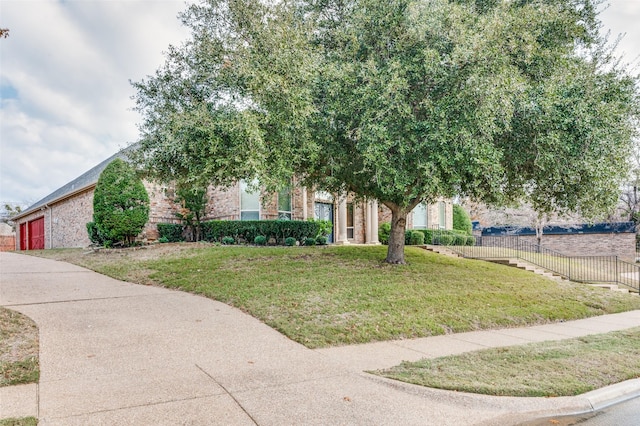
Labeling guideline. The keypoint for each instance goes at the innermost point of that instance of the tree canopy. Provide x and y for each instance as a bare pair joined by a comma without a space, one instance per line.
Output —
402,101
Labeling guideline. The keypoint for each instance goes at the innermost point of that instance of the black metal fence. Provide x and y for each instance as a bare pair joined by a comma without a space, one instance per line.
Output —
591,269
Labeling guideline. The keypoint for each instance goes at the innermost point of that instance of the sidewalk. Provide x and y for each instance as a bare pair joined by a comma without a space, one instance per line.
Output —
115,353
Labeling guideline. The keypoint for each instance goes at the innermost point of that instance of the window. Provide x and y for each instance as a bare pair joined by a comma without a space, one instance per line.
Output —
420,216
249,202
350,220
442,217
284,203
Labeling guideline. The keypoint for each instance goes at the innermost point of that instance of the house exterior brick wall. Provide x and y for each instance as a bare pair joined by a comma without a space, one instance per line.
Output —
223,203
65,218
162,209
621,244
66,222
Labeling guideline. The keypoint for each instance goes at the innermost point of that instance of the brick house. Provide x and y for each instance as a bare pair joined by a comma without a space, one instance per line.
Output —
59,219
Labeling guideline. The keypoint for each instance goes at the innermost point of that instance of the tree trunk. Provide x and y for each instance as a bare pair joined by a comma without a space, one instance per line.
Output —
395,252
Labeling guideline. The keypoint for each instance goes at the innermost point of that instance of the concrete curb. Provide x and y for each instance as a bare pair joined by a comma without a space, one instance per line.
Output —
529,408
614,394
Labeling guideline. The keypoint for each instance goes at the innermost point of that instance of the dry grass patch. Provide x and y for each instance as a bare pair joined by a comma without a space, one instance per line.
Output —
18,349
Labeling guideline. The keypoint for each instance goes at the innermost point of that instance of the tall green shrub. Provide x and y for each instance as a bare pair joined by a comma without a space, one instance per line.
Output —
120,204
383,232
461,220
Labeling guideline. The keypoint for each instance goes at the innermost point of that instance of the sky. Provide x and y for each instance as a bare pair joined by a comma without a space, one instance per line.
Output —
65,96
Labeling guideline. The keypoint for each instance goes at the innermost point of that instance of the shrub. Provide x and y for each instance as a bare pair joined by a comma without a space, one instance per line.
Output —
321,240
416,238
428,235
228,241
94,235
192,198
459,239
260,240
170,232
324,227
120,204
309,241
163,240
471,240
290,241
461,220
444,239
383,232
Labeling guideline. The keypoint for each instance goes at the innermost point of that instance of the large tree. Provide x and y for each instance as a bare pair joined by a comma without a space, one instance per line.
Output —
402,101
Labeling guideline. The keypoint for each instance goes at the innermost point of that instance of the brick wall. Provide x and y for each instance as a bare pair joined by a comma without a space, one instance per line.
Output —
162,209
67,221
223,204
621,244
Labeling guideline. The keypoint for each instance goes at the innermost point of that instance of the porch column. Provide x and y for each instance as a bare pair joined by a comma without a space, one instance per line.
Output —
342,220
374,222
305,213
367,221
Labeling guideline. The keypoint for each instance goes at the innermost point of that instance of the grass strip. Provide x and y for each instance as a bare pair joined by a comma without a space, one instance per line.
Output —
340,295
558,368
22,421
18,349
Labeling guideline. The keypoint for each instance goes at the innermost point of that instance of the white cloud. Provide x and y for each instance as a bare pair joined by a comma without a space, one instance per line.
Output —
69,64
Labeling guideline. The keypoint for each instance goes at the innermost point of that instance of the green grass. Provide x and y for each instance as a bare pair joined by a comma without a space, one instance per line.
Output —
18,349
324,296
560,368
23,421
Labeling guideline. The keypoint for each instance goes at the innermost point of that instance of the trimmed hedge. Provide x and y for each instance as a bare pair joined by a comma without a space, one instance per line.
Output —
446,237
170,232
245,231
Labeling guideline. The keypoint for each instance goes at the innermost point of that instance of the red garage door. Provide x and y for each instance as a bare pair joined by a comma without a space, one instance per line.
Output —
36,234
23,236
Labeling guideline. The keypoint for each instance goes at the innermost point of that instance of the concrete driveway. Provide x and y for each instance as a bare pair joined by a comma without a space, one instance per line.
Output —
114,353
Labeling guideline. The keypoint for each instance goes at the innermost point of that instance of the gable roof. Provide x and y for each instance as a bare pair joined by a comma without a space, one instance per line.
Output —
79,184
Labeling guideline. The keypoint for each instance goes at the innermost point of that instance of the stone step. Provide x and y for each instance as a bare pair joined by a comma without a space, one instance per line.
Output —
613,287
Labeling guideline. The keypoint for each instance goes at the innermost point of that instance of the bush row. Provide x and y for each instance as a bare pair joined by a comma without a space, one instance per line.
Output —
286,232
447,237
427,236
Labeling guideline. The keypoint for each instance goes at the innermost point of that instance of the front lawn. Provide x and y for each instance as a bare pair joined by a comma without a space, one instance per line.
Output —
338,295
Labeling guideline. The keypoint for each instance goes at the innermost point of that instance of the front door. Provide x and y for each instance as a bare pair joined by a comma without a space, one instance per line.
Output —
324,211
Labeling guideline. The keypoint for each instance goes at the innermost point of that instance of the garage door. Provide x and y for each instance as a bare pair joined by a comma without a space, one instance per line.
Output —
36,234
23,236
